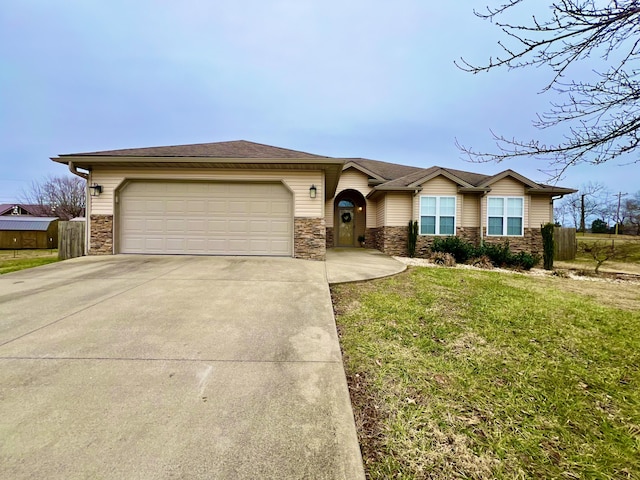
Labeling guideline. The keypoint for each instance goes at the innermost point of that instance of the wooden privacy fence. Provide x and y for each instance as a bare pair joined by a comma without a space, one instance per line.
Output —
71,239
566,245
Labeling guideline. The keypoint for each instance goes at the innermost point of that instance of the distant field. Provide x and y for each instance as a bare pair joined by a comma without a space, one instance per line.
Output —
629,264
14,260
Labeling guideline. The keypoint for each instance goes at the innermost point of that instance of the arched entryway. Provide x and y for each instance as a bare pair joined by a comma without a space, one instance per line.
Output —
349,213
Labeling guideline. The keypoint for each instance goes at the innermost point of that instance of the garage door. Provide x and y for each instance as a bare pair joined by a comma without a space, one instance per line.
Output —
206,218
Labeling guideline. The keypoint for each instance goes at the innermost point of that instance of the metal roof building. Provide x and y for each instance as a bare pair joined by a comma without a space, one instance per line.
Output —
27,232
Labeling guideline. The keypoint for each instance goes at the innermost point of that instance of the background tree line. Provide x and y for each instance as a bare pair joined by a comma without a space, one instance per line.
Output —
595,207
58,196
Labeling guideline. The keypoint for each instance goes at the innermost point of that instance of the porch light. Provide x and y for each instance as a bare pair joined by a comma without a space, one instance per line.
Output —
312,191
95,189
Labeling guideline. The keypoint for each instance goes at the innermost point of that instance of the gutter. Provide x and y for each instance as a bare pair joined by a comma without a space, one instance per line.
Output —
482,195
87,203
74,170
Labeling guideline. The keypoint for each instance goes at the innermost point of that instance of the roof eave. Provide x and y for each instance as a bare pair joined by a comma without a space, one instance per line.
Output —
377,191
331,166
551,191
474,189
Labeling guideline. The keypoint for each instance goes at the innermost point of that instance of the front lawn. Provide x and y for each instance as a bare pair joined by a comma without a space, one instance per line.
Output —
473,374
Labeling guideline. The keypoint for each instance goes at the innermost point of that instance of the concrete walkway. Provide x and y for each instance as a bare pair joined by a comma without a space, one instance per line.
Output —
357,264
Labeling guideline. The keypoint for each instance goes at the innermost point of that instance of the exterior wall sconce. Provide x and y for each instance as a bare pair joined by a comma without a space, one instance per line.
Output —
359,209
95,190
313,191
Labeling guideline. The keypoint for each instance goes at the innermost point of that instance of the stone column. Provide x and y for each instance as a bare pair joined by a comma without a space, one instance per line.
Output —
101,235
309,238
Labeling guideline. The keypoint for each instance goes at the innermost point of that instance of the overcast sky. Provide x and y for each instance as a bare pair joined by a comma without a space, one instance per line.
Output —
372,79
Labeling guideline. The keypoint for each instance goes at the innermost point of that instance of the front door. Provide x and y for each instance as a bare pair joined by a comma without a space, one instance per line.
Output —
346,225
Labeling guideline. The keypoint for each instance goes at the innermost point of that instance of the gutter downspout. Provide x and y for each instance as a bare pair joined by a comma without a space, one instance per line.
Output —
484,194
75,171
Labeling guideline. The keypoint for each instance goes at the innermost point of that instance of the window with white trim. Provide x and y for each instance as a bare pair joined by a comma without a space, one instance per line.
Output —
505,216
437,215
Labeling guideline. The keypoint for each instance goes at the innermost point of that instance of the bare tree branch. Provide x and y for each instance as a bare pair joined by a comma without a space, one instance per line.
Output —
600,119
62,196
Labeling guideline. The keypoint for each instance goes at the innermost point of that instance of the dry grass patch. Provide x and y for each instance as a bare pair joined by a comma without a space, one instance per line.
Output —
14,260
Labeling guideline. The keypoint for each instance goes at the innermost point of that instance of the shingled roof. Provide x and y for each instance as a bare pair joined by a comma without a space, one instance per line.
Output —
385,175
232,149
383,170
35,210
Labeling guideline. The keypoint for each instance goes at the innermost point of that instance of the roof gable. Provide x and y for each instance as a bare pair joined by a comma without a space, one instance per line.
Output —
509,173
383,171
415,179
36,210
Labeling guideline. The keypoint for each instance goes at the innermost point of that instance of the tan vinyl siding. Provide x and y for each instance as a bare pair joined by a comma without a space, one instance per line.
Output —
470,211
380,212
353,179
507,187
398,209
440,186
372,214
541,211
298,181
328,213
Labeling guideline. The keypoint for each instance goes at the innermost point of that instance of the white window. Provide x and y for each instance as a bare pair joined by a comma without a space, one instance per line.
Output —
437,215
505,216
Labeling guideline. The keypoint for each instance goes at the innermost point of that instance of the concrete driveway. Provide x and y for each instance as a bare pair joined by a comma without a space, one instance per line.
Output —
143,367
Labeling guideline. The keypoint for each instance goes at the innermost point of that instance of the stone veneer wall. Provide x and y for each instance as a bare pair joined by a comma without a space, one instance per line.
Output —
423,244
101,236
470,234
392,240
330,238
309,238
373,239
531,242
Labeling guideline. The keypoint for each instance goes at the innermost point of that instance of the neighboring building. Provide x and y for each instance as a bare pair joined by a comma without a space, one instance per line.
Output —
25,209
28,232
244,198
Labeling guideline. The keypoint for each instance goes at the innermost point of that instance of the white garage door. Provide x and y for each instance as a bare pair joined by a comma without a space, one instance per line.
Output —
206,218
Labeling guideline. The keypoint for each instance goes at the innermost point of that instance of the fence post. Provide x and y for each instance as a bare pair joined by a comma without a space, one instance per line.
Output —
70,239
566,246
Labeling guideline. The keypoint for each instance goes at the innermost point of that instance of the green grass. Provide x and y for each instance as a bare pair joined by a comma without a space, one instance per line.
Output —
12,261
469,374
631,245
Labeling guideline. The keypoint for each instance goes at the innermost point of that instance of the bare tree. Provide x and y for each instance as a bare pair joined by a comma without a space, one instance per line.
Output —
602,116
583,206
61,196
632,212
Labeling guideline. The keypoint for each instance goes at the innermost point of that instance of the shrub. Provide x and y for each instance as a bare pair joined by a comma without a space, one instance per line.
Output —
442,258
412,238
482,262
500,255
456,246
548,245
524,260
